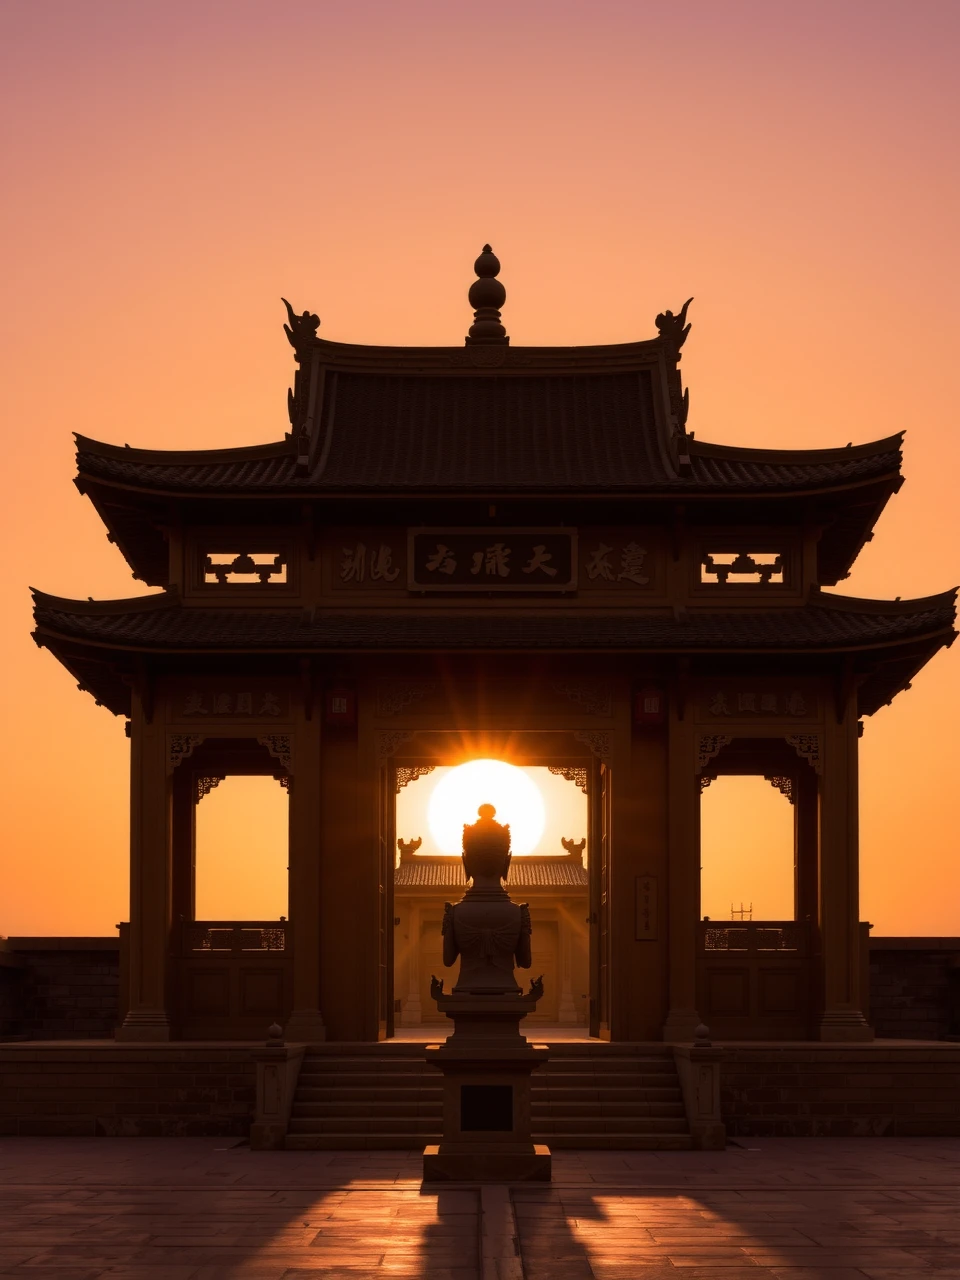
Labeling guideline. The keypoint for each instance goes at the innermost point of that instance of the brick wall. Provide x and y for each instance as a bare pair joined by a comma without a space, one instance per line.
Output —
64,989
915,987
114,1090
839,1091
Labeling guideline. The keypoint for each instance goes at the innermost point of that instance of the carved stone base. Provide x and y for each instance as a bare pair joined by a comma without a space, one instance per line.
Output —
681,1025
845,1025
305,1026
145,1025
518,1162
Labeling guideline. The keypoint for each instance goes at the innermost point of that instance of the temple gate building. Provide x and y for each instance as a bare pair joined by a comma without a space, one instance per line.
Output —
519,553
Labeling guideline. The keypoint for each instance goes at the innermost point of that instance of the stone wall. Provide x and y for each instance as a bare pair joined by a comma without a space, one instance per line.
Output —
915,987
59,988
112,1090
839,1091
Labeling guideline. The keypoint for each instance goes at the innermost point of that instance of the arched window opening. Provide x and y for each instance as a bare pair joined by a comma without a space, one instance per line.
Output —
746,851
242,850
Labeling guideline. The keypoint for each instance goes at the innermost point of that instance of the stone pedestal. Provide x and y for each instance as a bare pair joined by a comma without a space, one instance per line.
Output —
486,1065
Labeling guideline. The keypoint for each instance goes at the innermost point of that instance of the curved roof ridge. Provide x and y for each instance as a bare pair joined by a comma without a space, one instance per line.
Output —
193,457
709,449
867,604
168,599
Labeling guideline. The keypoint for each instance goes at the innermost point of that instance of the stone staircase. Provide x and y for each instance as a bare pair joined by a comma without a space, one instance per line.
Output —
589,1096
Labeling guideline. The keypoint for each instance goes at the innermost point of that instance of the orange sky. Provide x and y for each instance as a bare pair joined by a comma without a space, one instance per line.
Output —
175,168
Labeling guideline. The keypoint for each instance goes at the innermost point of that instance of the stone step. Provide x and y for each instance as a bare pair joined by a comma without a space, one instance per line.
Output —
584,1093
303,1109
609,1124
418,1125
540,1109
557,1141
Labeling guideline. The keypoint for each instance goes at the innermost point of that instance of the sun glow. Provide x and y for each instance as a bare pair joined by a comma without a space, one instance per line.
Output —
513,792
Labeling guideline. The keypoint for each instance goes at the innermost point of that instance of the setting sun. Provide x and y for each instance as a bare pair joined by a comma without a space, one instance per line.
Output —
512,791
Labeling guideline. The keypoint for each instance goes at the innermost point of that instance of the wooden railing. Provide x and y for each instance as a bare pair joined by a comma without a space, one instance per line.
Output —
751,936
233,977
201,936
755,978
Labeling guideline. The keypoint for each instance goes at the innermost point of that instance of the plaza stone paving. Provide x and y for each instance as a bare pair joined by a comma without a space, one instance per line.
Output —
203,1209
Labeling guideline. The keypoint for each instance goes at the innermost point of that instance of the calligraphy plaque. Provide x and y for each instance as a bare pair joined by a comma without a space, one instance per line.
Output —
646,924
492,559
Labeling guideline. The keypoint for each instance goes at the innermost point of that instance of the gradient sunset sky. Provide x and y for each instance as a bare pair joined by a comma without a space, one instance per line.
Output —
172,169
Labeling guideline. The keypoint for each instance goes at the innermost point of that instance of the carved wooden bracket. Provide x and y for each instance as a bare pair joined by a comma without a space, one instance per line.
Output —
205,786
411,772
711,744
600,743
807,747
180,746
784,785
390,740
280,747
573,773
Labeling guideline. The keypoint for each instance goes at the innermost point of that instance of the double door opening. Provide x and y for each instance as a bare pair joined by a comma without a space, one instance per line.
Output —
547,810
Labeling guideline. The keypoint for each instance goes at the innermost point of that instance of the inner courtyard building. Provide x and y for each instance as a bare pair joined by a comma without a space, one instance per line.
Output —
493,553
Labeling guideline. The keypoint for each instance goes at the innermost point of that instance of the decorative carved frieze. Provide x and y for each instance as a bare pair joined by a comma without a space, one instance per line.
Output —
711,744
599,743
280,747
285,781
394,698
593,698
389,742
807,747
410,773
572,773
705,780
206,785
180,746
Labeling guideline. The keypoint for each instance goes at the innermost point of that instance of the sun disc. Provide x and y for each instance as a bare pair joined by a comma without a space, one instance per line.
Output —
513,793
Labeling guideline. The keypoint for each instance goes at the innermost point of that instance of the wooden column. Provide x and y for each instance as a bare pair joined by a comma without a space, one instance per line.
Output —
184,838
843,1017
683,875
306,1023
148,1017
806,844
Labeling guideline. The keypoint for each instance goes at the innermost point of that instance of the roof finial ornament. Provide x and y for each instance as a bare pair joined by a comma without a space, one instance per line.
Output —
487,295
302,330
674,329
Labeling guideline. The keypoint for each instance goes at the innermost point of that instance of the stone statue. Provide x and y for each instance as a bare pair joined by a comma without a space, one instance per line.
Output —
302,329
674,328
485,929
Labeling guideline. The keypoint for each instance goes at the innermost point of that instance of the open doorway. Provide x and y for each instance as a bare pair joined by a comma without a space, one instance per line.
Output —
546,808
242,850
746,851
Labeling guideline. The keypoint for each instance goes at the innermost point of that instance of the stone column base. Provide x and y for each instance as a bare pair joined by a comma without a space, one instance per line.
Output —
848,1025
681,1025
149,1025
496,1162
305,1026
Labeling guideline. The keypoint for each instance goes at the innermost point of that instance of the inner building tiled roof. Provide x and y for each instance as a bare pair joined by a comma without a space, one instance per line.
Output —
161,622
581,433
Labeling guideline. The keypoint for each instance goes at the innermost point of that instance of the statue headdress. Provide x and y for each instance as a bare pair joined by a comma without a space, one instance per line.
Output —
486,845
